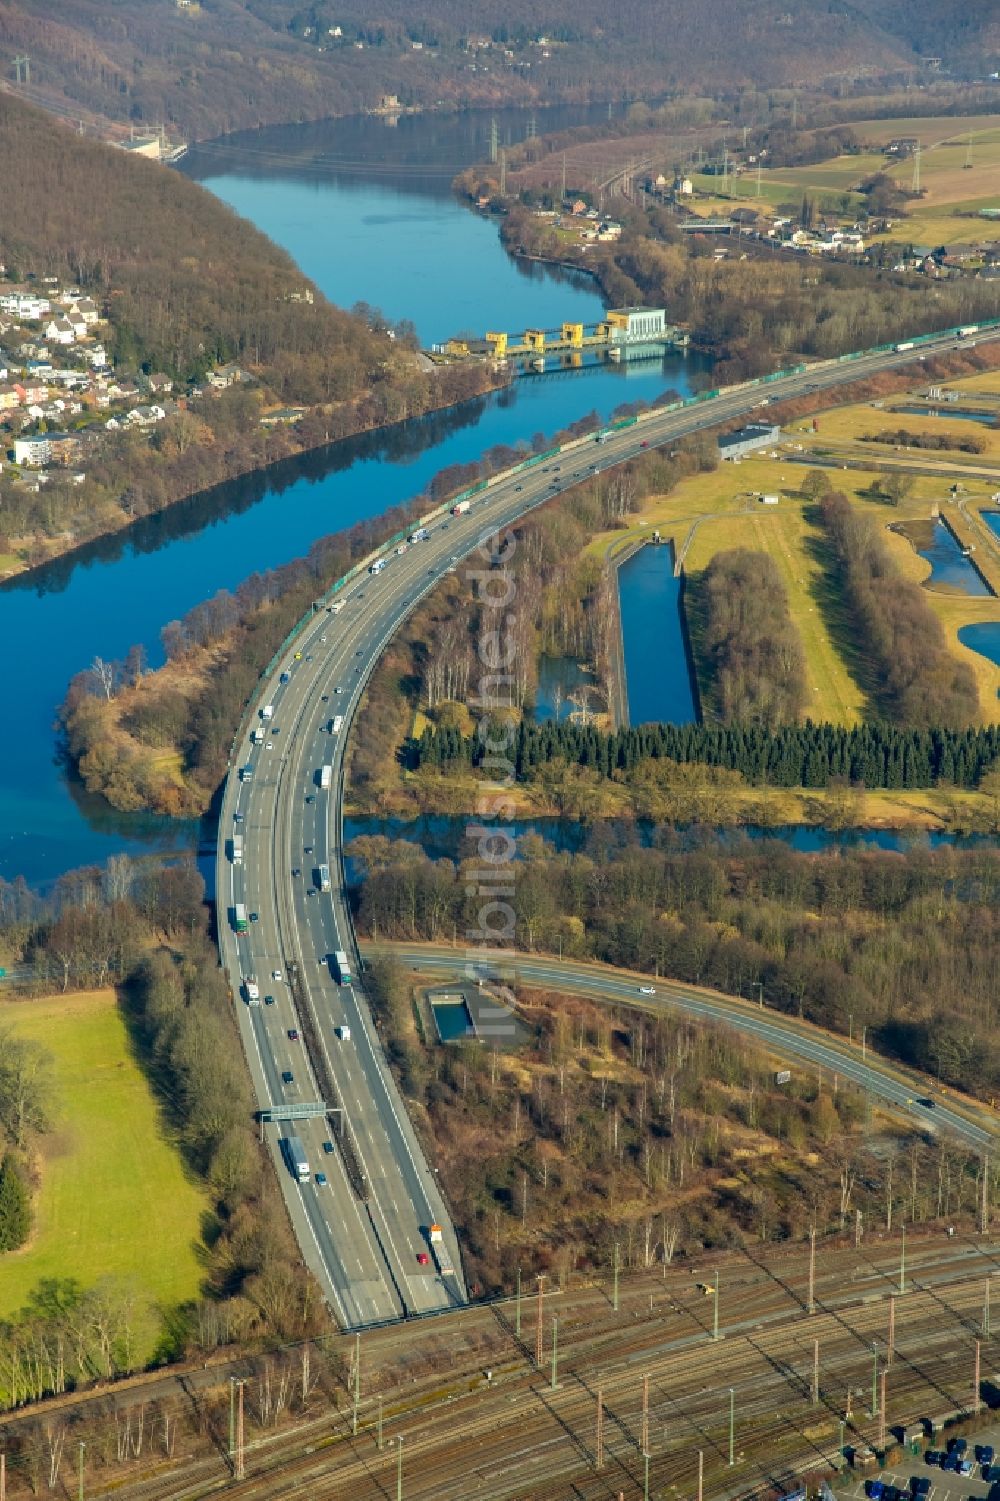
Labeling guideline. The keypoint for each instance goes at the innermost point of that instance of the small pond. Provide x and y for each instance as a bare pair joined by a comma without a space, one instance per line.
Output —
452,1018
951,571
984,638
988,419
558,677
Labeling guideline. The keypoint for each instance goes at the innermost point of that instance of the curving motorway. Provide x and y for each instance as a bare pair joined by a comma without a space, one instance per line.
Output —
786,1037
368,1249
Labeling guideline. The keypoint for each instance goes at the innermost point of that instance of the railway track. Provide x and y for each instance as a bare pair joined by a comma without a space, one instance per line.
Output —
514,1438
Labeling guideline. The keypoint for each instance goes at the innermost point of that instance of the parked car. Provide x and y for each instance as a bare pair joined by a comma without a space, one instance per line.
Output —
966,1467
984,1453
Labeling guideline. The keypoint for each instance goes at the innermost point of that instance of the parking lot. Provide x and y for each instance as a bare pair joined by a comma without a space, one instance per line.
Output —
944,1485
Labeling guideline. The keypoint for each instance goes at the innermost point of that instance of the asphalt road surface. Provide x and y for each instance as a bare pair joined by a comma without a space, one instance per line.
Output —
365,1253
786,1037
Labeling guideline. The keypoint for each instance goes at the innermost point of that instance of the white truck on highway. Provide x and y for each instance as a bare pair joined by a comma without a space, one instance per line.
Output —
439,1251
377,566
256,737
461,508
325,776
237,848
336,724
267,712
295,1156
251,990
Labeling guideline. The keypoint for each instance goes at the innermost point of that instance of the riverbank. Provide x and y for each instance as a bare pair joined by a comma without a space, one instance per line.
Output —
701,798
173,474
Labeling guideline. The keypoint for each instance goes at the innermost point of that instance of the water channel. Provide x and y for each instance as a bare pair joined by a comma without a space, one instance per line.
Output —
987,419
951,569
658,676
445,837
365,209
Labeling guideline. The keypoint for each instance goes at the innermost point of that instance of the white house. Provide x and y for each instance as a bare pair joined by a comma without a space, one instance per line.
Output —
31,452
24,305
60,331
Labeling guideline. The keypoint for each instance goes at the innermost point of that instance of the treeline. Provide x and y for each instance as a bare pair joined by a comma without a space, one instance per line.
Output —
936,442
117,718
761,313
609,1127
255,1285
185,281
229,66
143,928
807,755
902,944
565,607
911,676
755,658
186,284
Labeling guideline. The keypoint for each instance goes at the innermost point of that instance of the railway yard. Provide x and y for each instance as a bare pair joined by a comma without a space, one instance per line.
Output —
479,1414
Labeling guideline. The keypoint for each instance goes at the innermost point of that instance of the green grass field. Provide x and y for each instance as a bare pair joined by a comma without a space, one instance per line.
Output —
714,511
115,1198
959,175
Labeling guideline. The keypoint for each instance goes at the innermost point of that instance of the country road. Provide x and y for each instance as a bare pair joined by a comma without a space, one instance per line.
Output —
786,1037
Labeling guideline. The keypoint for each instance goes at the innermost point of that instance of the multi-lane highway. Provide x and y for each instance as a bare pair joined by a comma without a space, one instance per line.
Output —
367,1250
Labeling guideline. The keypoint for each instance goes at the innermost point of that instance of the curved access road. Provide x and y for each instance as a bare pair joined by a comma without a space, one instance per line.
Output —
315,1043
786,1037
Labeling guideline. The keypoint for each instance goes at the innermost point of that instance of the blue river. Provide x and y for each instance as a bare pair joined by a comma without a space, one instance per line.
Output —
367,211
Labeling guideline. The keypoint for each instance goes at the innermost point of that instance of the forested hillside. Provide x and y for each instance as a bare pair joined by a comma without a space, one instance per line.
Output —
182,285
226,64
186,282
